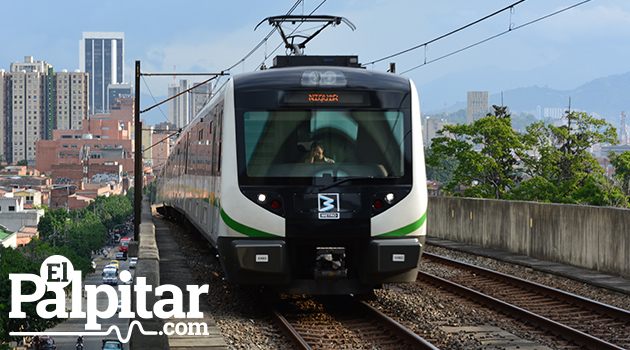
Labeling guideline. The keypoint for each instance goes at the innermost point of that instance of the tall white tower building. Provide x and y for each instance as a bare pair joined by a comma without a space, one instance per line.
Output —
179,107
102,56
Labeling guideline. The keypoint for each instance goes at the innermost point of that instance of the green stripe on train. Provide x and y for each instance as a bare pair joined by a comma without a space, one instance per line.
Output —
405,230
240,228
252,232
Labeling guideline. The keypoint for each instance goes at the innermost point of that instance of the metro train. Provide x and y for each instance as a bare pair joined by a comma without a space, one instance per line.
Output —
307,178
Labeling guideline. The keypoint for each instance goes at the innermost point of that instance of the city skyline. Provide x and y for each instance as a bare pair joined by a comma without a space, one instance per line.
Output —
562,51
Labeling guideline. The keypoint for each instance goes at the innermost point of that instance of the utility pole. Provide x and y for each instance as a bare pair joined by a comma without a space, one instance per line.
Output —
138,178
137,186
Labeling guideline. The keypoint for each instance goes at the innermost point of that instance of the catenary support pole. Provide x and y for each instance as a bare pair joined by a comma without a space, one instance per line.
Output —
137,183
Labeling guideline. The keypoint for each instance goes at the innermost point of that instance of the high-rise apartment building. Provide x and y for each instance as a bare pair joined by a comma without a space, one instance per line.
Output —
35,101
477,106
3,113
71,100
26,119
102,56
179,107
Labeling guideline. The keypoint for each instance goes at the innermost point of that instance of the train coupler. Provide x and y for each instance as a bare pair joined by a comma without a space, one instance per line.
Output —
330,263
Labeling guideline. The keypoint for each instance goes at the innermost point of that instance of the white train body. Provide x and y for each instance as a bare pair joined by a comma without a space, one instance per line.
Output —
241,172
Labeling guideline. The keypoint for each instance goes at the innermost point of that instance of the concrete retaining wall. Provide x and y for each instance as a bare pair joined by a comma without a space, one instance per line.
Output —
591,237
148,266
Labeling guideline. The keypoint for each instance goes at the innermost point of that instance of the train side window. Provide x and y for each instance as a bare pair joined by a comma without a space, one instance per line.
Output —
220,136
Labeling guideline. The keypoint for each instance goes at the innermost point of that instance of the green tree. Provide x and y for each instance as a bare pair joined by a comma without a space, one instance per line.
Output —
22,162
442,173
600,191
559,163
13,261
485,152
621,162
131,195
52,224
112,210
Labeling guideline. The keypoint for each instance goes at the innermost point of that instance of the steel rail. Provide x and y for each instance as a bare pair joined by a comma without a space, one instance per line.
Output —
577,300
557,328
287,329
410,337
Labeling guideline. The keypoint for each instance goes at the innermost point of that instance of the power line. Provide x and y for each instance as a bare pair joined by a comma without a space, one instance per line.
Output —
445,35
214,76
263,41
496,36
153,97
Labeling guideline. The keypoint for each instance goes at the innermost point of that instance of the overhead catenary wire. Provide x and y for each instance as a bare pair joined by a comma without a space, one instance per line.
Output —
511,29
214,76
445,35
164,139
153,97
263,41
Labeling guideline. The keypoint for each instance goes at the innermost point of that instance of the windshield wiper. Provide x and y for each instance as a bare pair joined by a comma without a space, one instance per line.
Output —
346,179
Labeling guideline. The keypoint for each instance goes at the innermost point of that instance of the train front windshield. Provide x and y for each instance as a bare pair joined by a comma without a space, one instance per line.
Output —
313,142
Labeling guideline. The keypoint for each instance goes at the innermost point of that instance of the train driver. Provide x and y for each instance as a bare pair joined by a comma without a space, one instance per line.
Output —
317,154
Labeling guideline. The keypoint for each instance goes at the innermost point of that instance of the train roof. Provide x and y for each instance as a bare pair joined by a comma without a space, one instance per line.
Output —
292,78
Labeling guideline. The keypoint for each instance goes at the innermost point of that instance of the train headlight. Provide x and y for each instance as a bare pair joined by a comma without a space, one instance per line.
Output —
389,198
323,78
269,200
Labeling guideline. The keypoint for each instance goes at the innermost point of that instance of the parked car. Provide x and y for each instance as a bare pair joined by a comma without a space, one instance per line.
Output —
133,262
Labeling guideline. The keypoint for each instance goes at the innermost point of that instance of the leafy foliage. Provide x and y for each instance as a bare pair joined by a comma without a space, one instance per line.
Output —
442,173
488,171
13,261
560,155
547,163
73,234
621,162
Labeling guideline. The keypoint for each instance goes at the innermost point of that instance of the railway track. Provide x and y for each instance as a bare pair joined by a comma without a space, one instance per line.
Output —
579,320
341,322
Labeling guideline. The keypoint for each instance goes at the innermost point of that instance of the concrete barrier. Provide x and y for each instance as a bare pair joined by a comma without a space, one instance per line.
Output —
596,238
148,266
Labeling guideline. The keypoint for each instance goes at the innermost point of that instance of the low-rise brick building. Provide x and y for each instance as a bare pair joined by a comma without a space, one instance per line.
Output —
99,173
109,141
78,202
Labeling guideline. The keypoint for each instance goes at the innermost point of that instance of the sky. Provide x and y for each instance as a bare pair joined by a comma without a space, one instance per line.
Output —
561,52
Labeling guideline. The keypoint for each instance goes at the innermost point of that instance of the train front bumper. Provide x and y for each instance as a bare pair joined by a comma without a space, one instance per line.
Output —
268,262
